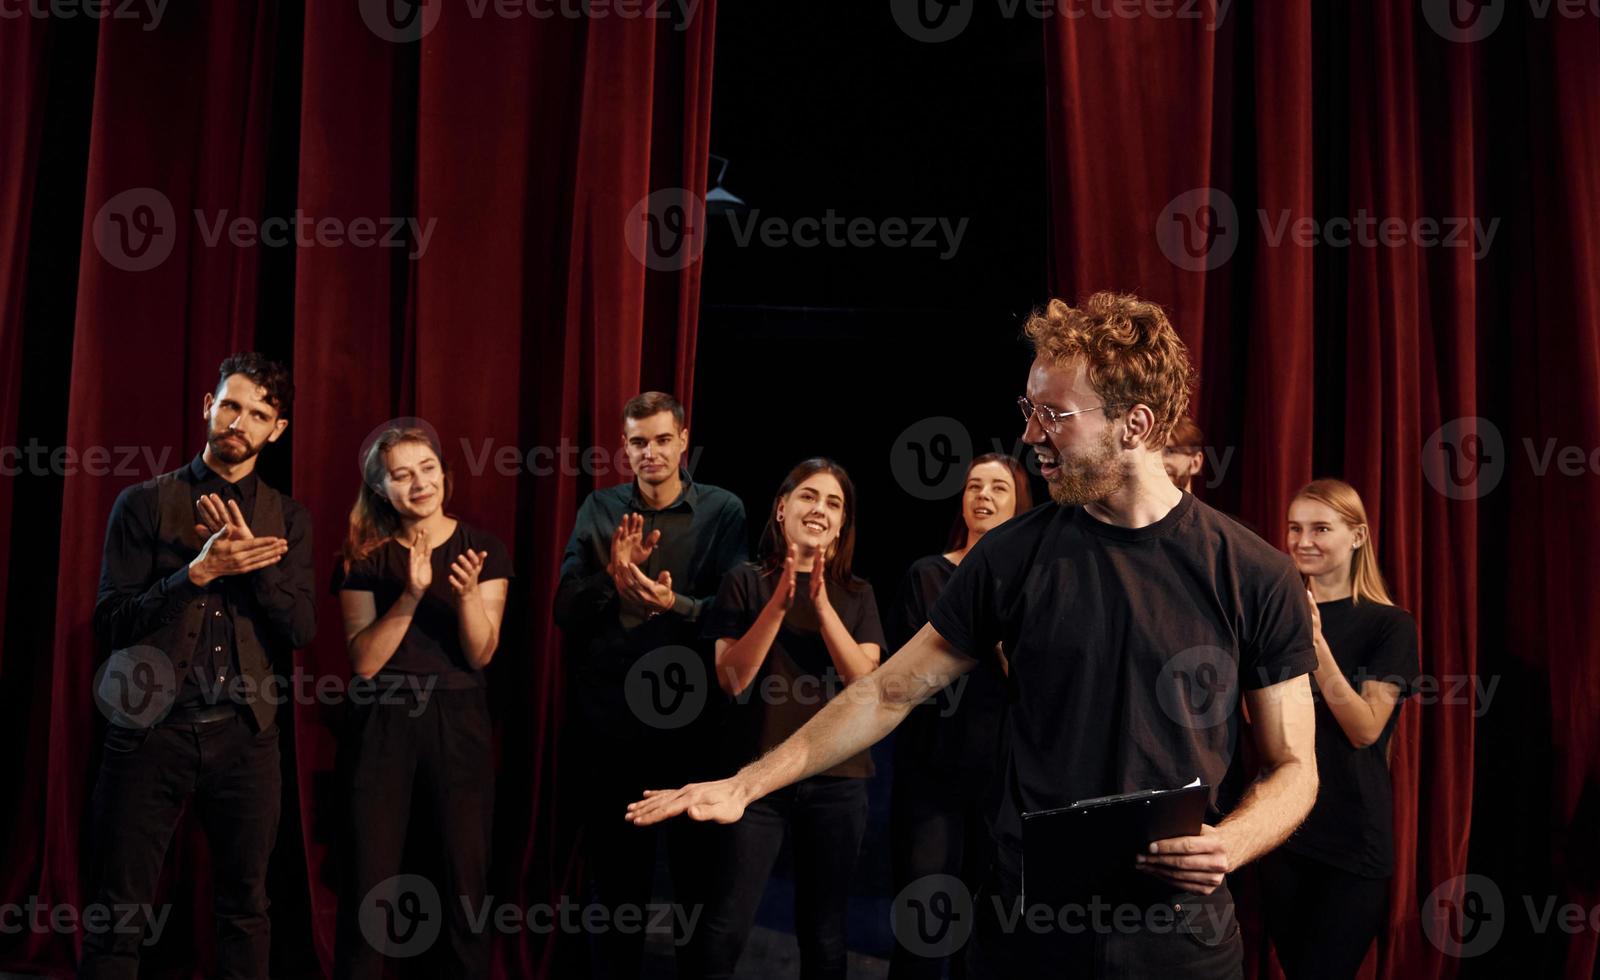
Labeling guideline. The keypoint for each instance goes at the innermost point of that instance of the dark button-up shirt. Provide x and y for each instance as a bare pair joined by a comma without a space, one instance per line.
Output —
702,537
133,602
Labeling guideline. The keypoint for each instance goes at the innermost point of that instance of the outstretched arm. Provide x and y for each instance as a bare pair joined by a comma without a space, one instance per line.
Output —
862,714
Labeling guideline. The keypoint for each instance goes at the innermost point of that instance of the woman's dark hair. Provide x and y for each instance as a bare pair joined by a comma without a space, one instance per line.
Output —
373,519
267,373
775,547
1019,486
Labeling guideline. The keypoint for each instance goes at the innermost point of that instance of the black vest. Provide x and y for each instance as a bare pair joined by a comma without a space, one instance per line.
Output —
177,544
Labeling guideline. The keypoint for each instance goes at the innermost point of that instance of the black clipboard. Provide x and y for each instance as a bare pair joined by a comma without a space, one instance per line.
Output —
1073,854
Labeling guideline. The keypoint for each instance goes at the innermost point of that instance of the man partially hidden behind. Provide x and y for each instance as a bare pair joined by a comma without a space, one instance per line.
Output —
1134,618
644,561
206,581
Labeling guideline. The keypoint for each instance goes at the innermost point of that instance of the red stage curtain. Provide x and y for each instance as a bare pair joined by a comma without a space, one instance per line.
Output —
522,146
1373,349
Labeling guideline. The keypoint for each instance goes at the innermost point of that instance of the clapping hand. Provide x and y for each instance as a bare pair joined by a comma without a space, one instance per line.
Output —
464,572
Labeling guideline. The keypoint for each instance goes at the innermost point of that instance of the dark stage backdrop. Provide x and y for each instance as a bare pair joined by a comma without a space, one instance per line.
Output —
515,315
529,319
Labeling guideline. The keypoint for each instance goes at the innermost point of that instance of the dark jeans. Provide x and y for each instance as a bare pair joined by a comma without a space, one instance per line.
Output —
620,859
1145,929
442,747
146,776
1321,919
825,817
937,826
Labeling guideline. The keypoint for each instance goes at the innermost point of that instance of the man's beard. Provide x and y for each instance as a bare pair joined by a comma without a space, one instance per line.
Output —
225,448
1086,477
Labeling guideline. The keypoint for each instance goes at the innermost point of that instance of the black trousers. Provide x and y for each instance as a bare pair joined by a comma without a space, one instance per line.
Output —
1140,928
825,818
441,748
1321,919
230,771
619,859
938,825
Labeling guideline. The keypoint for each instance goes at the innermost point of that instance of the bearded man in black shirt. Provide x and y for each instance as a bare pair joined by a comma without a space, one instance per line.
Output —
1113,606
205,589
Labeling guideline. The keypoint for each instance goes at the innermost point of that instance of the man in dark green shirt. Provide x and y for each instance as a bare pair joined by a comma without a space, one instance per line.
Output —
645,558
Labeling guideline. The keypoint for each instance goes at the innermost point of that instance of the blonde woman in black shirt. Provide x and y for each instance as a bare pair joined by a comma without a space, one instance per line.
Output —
423,593
1327,887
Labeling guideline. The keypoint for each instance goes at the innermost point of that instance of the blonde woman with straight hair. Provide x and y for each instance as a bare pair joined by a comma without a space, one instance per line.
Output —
1327,887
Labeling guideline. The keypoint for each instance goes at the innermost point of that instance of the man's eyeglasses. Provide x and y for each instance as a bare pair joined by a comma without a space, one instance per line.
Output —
1049,418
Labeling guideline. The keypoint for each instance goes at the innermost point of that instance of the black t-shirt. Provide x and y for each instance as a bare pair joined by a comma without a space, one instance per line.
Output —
798,675
1351,827
955,735
432,644
1128,647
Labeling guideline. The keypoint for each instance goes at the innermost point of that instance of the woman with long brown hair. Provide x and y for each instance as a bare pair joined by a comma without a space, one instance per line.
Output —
423,593
1327,887
946,751
791,630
